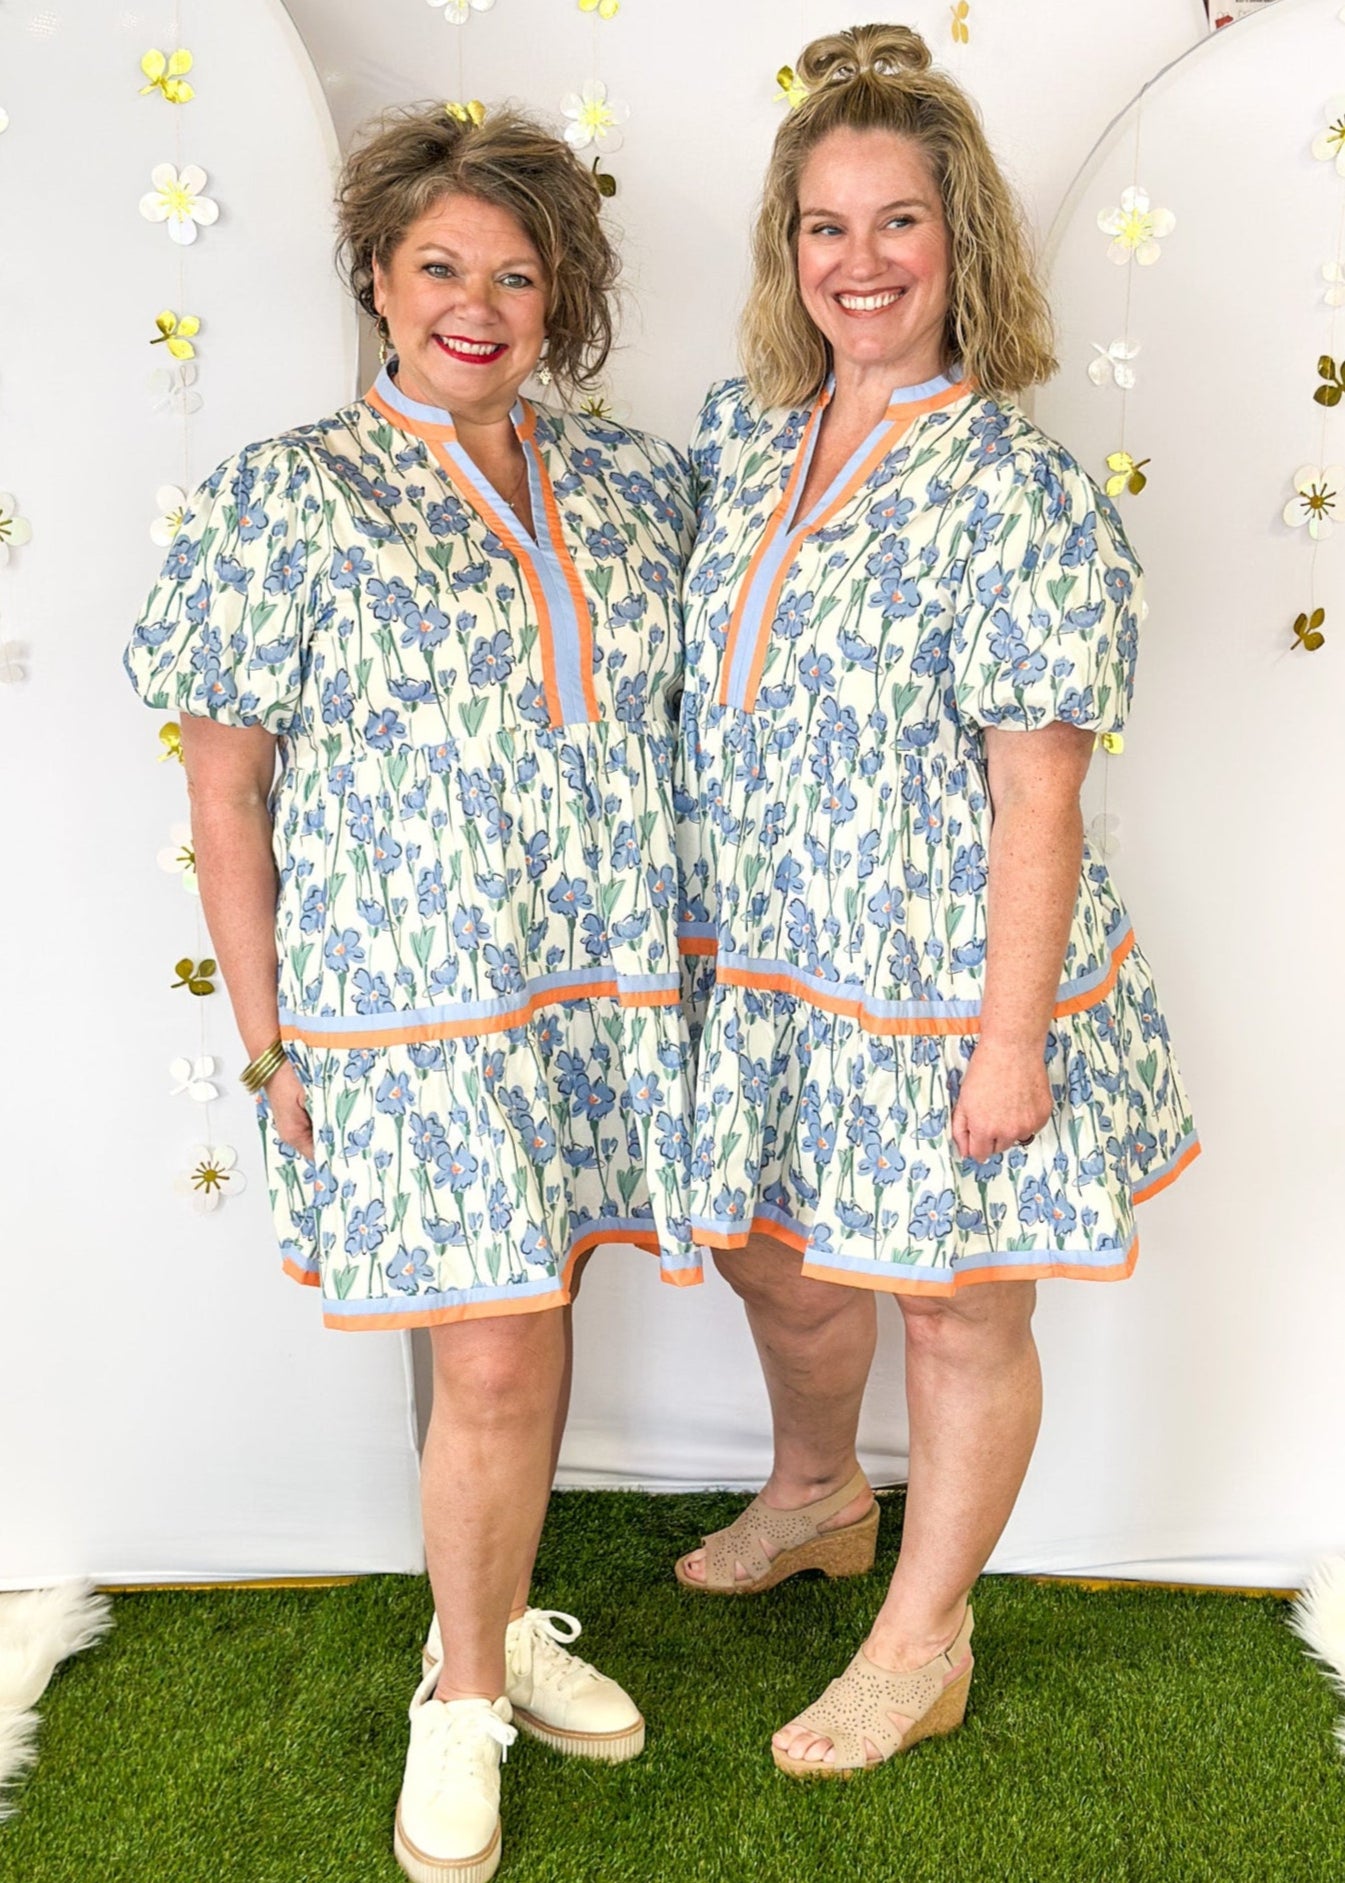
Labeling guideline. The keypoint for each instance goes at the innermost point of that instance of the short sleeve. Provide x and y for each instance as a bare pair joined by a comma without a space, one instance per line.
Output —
223,633
1048,623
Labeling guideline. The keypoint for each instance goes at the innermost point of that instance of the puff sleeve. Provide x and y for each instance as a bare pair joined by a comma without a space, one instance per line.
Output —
1048,622
224,631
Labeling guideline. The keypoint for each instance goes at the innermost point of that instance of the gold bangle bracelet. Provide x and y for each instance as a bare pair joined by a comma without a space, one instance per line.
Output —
265,1066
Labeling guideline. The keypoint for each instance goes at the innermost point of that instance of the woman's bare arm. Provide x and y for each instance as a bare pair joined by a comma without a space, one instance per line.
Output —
1036,845
229,774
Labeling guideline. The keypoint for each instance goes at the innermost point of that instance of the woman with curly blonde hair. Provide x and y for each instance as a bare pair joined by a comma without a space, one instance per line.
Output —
423,652
933,1063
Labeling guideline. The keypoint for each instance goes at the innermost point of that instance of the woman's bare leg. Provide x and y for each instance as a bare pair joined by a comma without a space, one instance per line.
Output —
973,1390
485,1480
815,1340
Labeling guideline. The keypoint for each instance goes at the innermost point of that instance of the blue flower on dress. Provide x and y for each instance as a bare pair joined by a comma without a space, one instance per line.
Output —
409,1269
347,567
386,853
382,728
364,1230
470,928
569,896
393,1094
932,1215
491,659
343,950
455,1166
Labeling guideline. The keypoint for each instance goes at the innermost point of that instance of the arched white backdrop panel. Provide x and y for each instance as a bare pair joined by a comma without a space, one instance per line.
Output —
667,1389
1193,1424
169,1405
202,1422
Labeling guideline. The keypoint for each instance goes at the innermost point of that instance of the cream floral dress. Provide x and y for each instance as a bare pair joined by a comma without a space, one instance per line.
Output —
478,971
962,572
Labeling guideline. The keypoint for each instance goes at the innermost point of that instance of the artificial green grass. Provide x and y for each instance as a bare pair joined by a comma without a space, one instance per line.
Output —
1128,1736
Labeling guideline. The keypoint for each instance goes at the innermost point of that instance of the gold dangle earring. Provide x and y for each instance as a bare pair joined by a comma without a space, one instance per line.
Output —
543,374
384,337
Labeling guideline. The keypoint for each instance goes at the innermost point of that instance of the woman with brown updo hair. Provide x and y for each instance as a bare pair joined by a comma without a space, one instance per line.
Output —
933,1063
424,652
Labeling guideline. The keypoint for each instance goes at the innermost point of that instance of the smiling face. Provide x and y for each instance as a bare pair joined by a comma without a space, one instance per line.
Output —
464,296
873,256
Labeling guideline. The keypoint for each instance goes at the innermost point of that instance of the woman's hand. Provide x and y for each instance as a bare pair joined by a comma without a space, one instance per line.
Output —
289,1113
1005,1097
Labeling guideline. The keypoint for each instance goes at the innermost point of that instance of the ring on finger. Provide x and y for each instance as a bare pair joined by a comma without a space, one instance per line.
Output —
1027,1140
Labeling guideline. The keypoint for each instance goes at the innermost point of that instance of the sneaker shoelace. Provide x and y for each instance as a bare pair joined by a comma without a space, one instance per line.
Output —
544,1633
466,1735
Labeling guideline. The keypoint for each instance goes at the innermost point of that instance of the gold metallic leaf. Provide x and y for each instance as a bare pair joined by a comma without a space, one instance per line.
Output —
1112,742
1307,630
170,738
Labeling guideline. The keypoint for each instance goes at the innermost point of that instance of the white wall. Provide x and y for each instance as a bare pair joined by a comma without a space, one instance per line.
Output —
1193,1426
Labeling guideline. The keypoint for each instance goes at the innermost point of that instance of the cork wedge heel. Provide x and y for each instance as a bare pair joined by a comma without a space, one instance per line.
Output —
798,1541
859,1704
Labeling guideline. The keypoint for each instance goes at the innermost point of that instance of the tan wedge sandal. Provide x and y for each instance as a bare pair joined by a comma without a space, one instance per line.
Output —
799,1541
858,1705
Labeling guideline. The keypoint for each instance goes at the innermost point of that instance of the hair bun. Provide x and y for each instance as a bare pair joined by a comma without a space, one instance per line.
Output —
862,52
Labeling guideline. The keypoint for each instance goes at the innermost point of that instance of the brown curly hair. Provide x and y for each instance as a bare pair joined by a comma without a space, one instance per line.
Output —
419,153
879,78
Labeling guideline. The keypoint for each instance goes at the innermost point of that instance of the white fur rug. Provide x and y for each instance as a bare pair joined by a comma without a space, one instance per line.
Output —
1319,1617
39,1628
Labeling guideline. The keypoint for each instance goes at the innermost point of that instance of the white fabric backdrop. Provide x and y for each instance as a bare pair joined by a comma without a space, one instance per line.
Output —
1193,1426
203,1423
169,1405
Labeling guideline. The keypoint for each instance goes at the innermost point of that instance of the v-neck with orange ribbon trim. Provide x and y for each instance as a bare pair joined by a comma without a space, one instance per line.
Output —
565,627
759,596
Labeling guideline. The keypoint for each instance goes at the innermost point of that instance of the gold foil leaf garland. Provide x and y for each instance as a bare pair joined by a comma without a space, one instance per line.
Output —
473,112
196,976
166,73
1333,378
791,87
176,332
1308,630
170,738
961,30
1127,473
605,9
604,181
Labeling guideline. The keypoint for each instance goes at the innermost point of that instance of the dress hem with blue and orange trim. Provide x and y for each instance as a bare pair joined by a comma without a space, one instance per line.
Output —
479,983
960,573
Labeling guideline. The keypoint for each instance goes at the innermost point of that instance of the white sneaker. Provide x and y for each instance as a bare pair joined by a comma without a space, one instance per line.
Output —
448,1816
555,1696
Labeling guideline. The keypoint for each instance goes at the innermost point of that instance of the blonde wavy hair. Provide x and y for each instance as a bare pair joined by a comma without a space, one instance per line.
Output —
414,156
878,78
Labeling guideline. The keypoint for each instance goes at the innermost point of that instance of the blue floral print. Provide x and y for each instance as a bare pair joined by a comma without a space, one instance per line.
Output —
478,970
834,833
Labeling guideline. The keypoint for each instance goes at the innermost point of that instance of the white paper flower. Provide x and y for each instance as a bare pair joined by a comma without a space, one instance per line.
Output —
1329,145
1333,274
171,502
171,389
14,529
1316,499
458,12
195,1078
177,200
1113,363
1136,228
178,858
1104,835
13,663
213,1176
594,117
